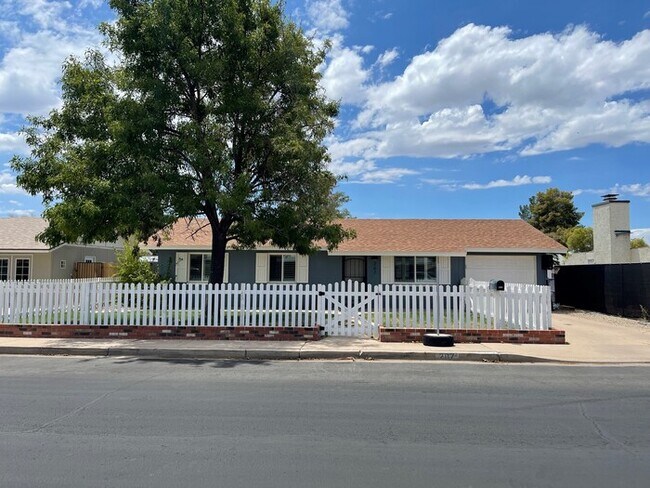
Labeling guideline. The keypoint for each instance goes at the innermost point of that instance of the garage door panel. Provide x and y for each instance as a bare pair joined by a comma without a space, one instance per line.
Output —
511,269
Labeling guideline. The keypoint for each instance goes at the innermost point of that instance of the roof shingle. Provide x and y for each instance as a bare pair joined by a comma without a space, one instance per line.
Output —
449,236
19,233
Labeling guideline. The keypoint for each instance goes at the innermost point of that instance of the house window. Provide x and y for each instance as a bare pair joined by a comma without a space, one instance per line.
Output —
410,269
89,259
200,267
282,267
22,269
4,269
62,264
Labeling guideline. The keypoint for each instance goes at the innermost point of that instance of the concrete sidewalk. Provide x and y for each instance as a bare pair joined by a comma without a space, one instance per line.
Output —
592,338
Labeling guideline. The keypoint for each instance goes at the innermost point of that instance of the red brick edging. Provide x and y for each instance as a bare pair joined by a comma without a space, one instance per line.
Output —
553,336
386,334
157,332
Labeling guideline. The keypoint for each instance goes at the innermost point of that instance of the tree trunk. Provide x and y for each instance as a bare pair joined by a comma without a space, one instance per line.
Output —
218,255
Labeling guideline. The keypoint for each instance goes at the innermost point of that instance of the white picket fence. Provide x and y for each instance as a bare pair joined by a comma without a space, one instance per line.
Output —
350,308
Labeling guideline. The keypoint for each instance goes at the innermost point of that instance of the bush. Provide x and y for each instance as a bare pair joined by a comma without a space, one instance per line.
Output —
132,269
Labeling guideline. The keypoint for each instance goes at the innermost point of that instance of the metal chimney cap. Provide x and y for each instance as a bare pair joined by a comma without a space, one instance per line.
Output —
610,197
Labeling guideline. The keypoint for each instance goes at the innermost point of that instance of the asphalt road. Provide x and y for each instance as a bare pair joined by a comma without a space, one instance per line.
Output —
80,422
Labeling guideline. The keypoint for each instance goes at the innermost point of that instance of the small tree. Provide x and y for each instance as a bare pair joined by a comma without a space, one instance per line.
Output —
553,212
131,268
580,239
638,243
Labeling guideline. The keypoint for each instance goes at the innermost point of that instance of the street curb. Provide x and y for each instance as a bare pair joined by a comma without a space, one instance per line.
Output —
275,355
55,351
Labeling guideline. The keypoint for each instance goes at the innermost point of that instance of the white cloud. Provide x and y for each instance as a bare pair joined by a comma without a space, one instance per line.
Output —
31,65
46,13
366,172
12,143
387,57
19,212
631,189
641,233
344,76
327,15
593,191
516,181
8,185
552,92
452,185
90,3
635,189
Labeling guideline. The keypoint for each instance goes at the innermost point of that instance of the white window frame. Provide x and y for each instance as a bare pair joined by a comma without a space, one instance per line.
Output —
415,270
295,264
8,270
90,259
29,268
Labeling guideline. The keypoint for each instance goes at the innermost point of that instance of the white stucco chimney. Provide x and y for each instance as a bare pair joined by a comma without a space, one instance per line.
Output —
612,230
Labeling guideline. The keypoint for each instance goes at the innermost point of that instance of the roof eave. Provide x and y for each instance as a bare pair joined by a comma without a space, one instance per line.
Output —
518,250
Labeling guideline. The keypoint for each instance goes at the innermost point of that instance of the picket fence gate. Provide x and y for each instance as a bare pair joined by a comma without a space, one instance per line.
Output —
340,309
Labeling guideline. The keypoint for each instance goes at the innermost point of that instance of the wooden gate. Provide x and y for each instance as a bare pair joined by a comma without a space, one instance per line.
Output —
350,309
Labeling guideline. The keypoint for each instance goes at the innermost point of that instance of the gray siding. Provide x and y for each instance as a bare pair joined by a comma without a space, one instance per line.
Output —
541,273
72,254
325,269
374,270
457,270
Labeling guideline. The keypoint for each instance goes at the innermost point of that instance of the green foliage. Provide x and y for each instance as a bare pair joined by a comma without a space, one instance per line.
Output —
580,239
131,269
638,243
553,212
213,109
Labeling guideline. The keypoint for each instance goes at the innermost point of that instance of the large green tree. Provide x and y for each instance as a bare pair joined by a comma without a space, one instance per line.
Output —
580,239
209,108
551,211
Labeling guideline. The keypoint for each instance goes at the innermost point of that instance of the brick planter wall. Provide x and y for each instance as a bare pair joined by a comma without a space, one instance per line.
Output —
552,336
151,332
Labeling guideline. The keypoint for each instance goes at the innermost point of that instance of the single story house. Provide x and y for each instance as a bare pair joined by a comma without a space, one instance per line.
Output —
22,257
441,251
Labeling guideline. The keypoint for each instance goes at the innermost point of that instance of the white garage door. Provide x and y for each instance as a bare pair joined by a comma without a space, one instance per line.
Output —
511,269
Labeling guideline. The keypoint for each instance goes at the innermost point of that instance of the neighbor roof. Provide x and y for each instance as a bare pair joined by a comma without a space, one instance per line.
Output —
19,233
383,236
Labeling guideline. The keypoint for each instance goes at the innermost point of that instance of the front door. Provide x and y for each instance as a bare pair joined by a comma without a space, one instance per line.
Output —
354,269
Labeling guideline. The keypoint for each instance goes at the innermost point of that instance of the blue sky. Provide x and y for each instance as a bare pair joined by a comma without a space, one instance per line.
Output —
449,109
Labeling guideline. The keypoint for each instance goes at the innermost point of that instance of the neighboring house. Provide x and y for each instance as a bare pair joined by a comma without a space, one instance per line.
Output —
384,251
611,236
22,257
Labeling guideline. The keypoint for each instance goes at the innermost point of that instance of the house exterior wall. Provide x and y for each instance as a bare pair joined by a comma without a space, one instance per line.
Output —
457,270
76,254
542,274
373,270
641,255
324,268
39,264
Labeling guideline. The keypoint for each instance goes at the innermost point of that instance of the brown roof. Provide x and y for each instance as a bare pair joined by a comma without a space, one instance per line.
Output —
447,236
19,233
